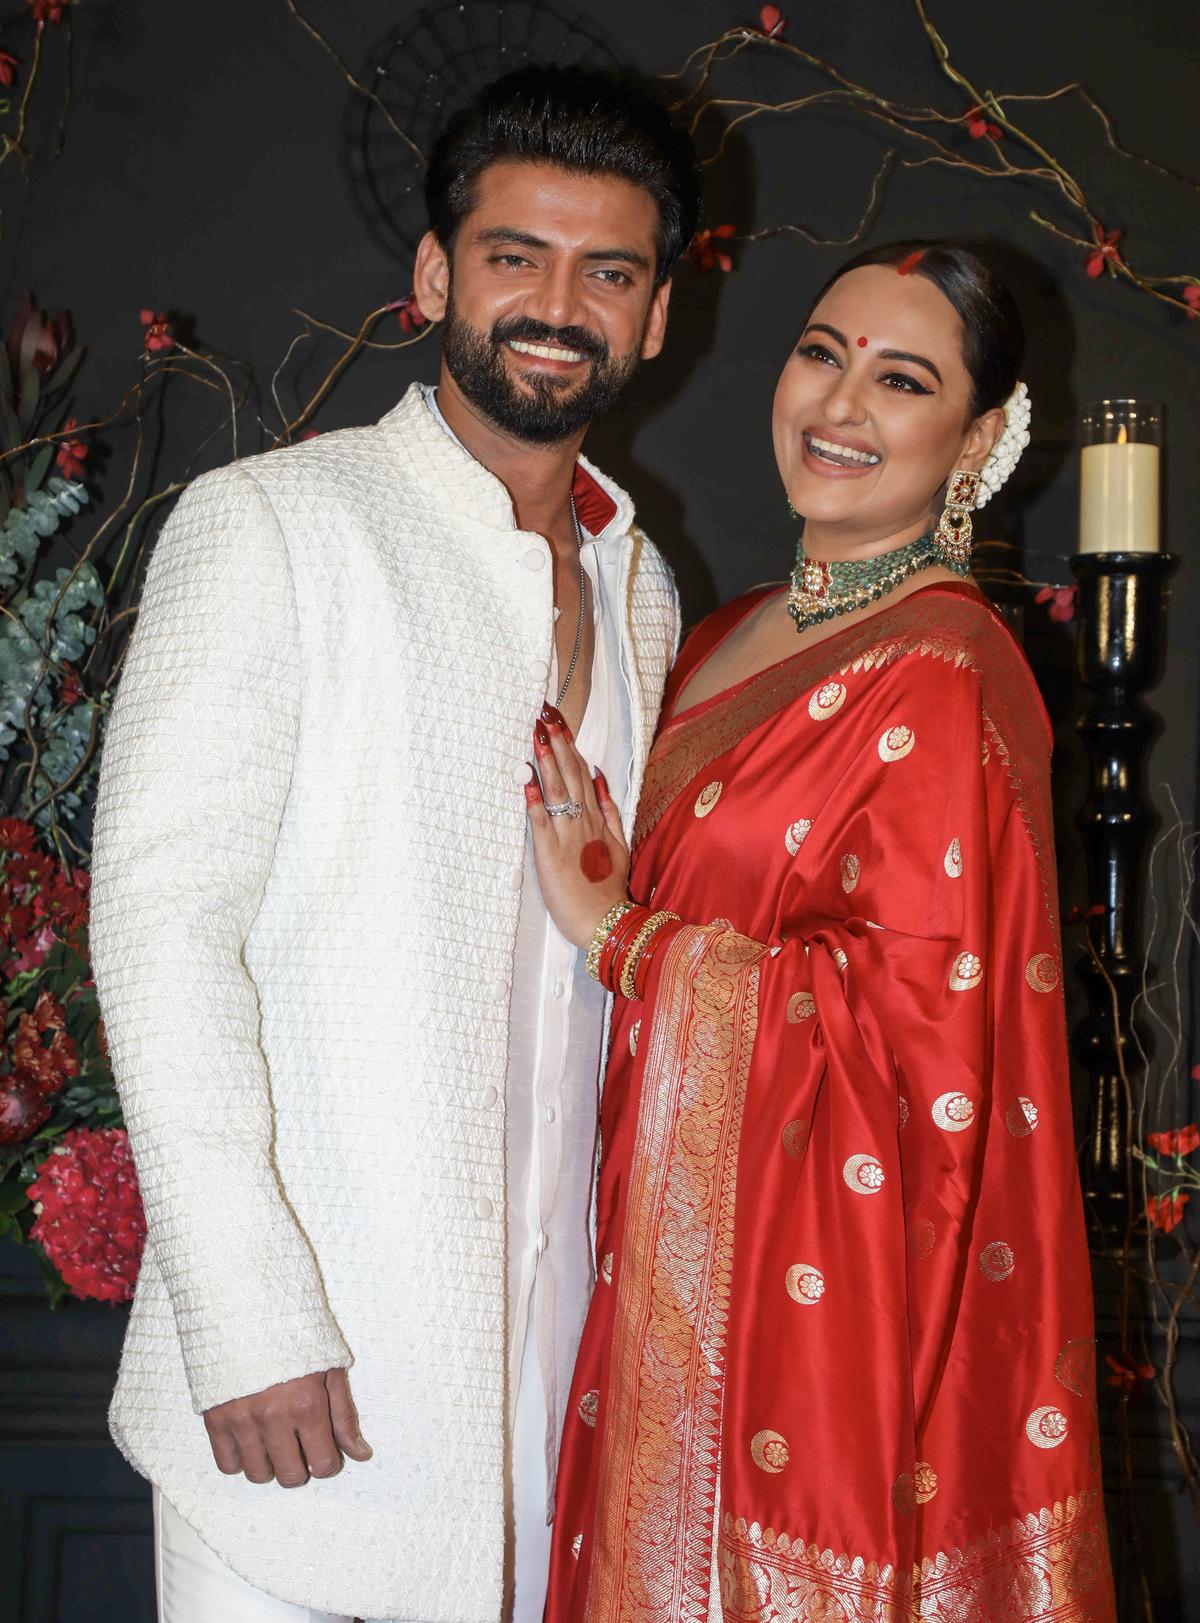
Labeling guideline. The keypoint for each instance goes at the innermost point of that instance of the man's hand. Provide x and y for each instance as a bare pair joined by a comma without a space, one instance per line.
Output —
288,1432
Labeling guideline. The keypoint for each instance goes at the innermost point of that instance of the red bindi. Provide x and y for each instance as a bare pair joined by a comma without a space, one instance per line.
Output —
595,862
862,343
908,265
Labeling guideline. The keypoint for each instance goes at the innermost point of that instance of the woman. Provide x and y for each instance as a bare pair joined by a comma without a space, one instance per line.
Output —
838,1362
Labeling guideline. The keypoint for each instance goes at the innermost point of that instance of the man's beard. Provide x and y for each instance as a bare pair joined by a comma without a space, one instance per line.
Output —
549,408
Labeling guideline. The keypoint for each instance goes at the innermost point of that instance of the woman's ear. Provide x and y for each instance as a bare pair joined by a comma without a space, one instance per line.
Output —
431,277
984,433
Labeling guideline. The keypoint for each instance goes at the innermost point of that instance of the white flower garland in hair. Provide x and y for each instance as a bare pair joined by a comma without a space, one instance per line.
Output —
1006,452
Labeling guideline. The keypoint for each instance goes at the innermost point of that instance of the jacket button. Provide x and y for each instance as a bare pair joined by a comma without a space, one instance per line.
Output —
499,991
539,669
488,1097
535,558
522,773
483,1207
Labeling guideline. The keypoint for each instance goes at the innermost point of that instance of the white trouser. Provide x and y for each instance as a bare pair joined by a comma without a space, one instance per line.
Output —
195,1586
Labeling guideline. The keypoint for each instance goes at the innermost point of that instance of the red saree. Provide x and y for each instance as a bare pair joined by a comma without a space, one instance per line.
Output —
839,1360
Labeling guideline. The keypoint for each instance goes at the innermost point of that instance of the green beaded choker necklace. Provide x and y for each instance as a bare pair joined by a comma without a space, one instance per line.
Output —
822,591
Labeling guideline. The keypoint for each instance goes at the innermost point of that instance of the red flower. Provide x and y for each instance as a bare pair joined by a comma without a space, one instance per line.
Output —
64,900
29,868
46,1064
8,68
90,1221
16,919
1191,297
22,1109
71,454
1127,1371
1105,251
978,126
30,950
1177,1141
48,11
409,313
1166,1211
159,338
15,834
704,253
1061,600
772,22
70,689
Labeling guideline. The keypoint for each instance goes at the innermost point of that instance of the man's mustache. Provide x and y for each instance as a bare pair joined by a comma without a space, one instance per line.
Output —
528,331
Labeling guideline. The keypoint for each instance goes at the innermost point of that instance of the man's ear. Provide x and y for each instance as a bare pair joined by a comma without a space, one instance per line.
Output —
431,277
655,331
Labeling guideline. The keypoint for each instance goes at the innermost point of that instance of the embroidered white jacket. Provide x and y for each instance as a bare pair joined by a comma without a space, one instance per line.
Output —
308,850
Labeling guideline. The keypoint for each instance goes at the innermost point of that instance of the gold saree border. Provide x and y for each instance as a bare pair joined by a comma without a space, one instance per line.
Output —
657,1488
957,630
1050,1566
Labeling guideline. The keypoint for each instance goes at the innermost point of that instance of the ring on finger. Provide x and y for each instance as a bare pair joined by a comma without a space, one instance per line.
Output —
566,808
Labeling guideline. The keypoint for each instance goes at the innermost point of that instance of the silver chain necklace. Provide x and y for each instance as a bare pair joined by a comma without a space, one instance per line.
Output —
582,605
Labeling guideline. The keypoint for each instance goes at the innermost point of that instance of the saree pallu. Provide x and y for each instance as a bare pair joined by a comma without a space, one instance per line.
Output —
839,1360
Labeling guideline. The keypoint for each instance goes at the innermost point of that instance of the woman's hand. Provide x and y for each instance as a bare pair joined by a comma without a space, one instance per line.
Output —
582,862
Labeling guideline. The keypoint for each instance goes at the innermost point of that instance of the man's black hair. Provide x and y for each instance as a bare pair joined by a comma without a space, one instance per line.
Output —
579,119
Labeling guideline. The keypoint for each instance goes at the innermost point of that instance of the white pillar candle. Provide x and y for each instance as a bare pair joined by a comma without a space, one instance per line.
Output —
1118,497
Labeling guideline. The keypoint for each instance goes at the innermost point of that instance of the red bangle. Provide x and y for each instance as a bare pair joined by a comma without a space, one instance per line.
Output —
618,938
641,974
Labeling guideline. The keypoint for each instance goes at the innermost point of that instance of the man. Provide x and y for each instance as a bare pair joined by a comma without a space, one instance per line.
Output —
358,1064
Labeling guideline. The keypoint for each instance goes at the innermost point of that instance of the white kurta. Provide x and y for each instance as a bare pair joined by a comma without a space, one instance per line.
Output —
308,871
556,1030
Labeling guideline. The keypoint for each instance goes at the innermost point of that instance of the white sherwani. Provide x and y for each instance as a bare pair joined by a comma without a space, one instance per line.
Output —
304,915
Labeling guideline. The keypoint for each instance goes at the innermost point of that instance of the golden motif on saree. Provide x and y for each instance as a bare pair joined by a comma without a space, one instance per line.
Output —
1047,1566
1021,1117
863,1174
952,861
827,701
896,743
707,798
801,1006
1042,972
1047,1427
796,835
967,972
851,871
996,1261
805,1284
1075,1368
795,1137
953,1112
769,1451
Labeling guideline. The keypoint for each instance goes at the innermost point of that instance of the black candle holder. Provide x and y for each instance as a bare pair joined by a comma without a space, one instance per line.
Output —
1120,610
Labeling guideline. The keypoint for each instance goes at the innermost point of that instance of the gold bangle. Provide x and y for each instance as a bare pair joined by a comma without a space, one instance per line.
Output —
636,948
604,929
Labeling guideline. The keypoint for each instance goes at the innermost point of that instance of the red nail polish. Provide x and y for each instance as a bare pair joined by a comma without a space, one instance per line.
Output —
547,710
602,785
553,716
532,794
540,735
